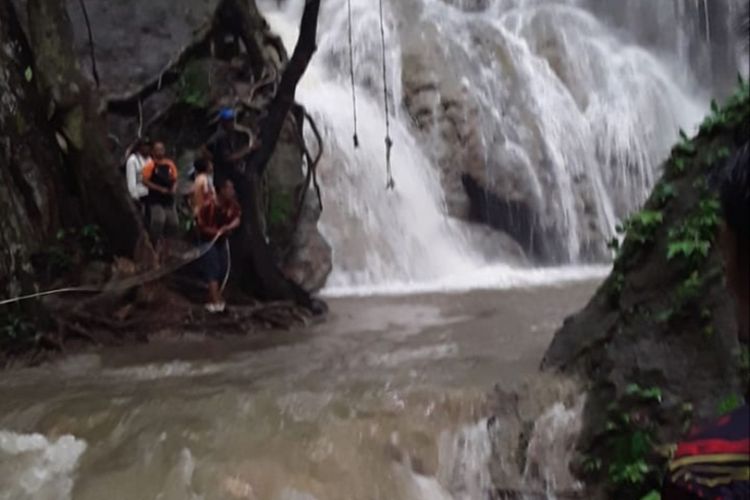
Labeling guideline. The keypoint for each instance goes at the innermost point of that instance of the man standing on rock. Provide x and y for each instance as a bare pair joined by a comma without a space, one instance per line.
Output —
714,461
229,148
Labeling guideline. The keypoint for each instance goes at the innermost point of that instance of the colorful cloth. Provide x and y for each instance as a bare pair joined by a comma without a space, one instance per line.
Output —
714,462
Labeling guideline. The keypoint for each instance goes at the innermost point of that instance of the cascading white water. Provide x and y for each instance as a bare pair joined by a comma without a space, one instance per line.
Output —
378,235
566,116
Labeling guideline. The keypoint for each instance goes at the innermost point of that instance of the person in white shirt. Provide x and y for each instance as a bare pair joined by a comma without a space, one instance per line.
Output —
141,153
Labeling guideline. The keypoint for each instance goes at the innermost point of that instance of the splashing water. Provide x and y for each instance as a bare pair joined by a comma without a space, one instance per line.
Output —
33,467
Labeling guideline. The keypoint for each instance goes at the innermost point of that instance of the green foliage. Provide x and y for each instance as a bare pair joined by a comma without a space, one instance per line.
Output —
615,286
592,465
717,154
641,226
735,111
729,404
280,208
693,238
664,192
690,288
644,394
744,358
652,495
629,443
629,447
72,247
193,86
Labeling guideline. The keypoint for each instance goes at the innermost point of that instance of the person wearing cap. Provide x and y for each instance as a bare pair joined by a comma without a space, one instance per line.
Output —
229,148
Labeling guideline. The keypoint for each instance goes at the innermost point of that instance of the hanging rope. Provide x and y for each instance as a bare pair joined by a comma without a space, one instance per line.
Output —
351,71
390,183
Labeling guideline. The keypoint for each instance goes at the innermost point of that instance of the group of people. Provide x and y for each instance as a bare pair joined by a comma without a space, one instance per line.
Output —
152,180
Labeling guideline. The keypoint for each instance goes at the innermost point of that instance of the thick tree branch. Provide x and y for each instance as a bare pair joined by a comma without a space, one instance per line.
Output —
284,99
77,117
266,278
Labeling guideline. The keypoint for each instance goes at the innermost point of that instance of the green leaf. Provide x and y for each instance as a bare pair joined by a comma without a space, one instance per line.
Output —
729,404
28,74
653,495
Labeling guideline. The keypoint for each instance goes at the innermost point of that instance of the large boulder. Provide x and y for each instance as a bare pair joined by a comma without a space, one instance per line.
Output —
657,344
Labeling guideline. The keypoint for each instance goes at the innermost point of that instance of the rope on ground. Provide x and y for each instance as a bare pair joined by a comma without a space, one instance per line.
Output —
124,284
390,182
351,71
92,53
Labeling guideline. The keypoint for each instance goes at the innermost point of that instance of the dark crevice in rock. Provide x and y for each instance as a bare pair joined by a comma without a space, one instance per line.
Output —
516,218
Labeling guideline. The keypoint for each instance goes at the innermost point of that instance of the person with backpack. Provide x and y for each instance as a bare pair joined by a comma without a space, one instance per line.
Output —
160,177
217,219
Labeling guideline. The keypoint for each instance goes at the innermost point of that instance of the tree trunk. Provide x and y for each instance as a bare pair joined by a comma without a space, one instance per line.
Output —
263,275
34,202
99,184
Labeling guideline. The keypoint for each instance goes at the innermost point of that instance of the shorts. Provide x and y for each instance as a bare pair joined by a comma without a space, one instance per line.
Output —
215,263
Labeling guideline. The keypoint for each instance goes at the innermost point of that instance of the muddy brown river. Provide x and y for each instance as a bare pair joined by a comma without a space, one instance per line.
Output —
386,400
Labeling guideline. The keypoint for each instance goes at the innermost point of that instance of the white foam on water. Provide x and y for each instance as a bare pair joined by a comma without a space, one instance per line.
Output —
498,277
33,467
464,462
551,447
174,369
179,481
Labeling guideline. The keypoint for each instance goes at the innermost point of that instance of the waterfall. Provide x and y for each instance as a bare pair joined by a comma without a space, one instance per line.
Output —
558,108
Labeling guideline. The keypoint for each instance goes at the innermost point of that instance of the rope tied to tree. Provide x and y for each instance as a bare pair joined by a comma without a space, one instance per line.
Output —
351,71
390,182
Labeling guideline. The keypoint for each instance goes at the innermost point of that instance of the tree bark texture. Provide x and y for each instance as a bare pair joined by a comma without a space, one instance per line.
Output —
33,196
74,108
264,276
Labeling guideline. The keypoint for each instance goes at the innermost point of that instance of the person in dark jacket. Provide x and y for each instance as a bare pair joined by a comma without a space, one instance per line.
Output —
714,460
229,149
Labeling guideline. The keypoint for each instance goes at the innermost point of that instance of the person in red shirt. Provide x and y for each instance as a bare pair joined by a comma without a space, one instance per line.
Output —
160,177
216,220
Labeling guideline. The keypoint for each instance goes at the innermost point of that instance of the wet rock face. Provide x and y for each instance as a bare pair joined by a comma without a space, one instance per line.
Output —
486,183
32,206
134,41
661,321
